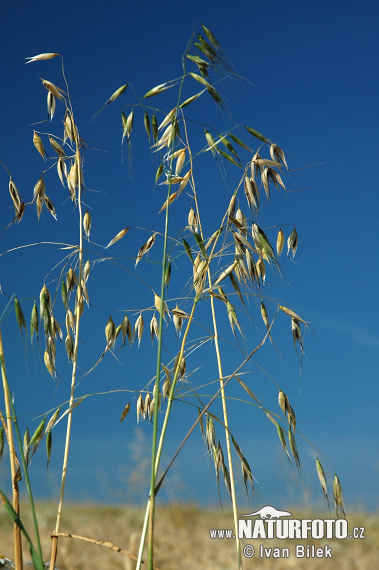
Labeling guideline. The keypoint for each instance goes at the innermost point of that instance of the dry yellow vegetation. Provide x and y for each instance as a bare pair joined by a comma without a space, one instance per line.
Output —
182,540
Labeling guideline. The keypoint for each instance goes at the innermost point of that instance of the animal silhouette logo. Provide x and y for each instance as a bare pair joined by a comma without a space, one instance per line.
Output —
269,512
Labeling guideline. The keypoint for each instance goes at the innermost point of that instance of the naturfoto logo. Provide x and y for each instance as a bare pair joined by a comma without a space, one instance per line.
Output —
272,524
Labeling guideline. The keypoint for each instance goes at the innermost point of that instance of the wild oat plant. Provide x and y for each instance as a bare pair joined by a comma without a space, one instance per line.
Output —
204,273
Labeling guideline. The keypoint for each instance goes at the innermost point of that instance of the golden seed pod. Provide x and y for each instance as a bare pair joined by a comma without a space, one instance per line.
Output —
154,328
64,294
321,477
180,161
178,323
86,270
261,269
87,222
280,242
140,408
138,328
125,412
71,279
158,305
296,333
70,321
192,220
50,207
147,405
62,170
79,307
110,332
50,105
57,147
39,188
48,363
338,497
69,344
37,141
53,419
34,322
126,330
282,399
45,299
292,242
57,331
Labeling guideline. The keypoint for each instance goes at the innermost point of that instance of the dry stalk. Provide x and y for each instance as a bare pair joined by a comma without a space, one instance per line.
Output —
13,462
220,373
105,543
54,548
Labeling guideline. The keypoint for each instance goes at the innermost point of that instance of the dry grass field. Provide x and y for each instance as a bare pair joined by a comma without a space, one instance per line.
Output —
182,540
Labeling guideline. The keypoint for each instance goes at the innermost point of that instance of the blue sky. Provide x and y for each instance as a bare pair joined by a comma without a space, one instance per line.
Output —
312,71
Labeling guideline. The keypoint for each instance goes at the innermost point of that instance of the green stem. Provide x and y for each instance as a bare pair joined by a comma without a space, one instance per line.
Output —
7,395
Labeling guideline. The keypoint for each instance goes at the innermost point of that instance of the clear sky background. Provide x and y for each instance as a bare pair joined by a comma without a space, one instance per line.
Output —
312,71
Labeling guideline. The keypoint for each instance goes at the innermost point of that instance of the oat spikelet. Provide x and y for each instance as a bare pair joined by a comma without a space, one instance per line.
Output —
158,305
20,316
154,328
321,477
71,280
192,220
14,195
86,270
140,408
145,248
180,161
50,105
292,314
296,333
126,330
62,170
40,57
70,322
125,412
39,189
50,207
87,223
338,497
261,269
57,147
69,344
282,440
110,332
292,242
37,141
265,319
49,364
178,316
293,447
119,236
34,322
280,242
277,154
112,98
138,328
184,182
